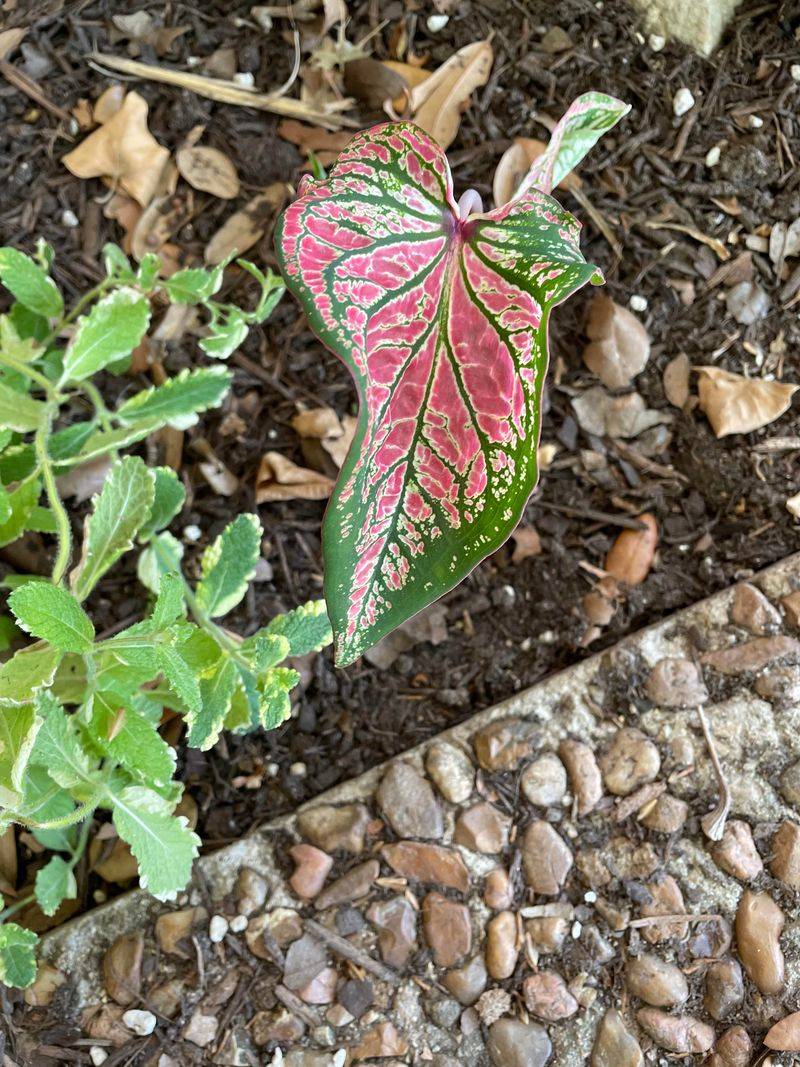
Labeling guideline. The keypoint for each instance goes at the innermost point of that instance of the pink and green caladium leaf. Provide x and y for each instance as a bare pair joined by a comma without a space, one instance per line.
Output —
441,316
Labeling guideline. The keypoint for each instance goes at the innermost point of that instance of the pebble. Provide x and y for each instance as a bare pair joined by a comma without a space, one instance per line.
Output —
547,997
498,892
97,1055
201,1029
759,922
724,988
502,745
753,611
280,1025
676,683
667,900
667,815
447,927
467,982
482,828
660,984
544,782
585,779
631,760
238,924
351,886
785,863
407,801
337,1015
713,156
546,859
784,1036
736,852
321,989
656,42
356,995
733,1049
217,929
122,969
710,939
676,1033
140,1022
312,867
431,864
251,891
451,771
790,784
516,1044
614,1045
380,1042
305,959
751,655
502,949
396,922
780,685
334,828
682,102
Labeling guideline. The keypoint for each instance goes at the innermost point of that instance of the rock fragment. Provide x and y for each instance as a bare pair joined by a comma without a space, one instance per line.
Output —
312,867
733,1049
676,1033
482,828
546,859
785,863
547,997
724,988
501,945
614,1045
544,781
447,927
759,922
335,828
585,779
736,852
752,610
430,864
676,683
407,801
656,982
513,1043
629,761
502,745
396,922
451,771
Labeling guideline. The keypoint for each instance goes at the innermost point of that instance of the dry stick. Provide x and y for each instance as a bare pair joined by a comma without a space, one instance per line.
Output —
30,88
340,947
226,92
599,220
713,823
656,920
295,1005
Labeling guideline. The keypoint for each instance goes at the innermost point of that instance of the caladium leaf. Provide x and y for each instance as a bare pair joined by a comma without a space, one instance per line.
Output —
441,317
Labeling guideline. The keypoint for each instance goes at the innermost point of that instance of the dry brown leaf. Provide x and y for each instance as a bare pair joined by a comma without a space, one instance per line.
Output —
312,138
244,228
691,231
526,543
82,113
222,481
157,223
280,479
127,213
735,404
676,380
619,346
411,74
318,423
321,428
10,40
48,981
208,170
124,151
8,857
631,556
338,447
83,481
515,163
335,11
108,104
437,103
373,82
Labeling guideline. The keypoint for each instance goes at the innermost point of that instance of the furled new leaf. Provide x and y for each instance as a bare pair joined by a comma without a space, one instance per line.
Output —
53,614
18,729
307,628
215,693
228,565
275,705
28,283
110,332
17,958
162,843
441,316
183,681
55,883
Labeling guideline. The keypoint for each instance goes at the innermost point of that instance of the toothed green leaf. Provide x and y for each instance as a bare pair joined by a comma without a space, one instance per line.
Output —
110,332
20,412
17,957
28,283
25,673
162,843
215,693
54,615
180,676
178,398
55,883
307,628
128,736
228,565
18,729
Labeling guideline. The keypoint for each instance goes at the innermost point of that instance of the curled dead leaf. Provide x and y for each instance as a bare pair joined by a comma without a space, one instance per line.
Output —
313,138
437,103
244,228
159,221
278,478
372,82
10,40
631,556
515,163
526,543
619,347
321,428
676,380
735,404
208,170
108,104
123,151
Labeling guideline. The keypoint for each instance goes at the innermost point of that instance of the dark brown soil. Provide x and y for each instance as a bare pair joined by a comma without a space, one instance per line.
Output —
722,516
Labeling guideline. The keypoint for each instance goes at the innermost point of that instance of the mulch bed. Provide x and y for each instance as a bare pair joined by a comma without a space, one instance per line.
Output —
722,515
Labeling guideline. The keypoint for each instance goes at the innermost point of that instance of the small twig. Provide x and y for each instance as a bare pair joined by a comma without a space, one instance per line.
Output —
340,947
713,823
637,800
30,88
295,1005
657,920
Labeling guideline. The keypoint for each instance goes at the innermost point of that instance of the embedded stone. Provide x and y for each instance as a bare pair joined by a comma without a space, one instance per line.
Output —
544,781
667,815
676,1033
547,933
335,828
451,770
784,1036
711,939
733,1049
614,1045
430,864
630,761
724,988
502,949
498,893
660,984
280,1026
321,989
785,863
407,801
122,969
312,867
759,922
790,784
351,886
482,828
751,655
752,610
448,929
736,852
513,1043
547,997
676,683
780,685
251,891
396,922
546,859
502,745
467,982
585,779
380,1042
667,899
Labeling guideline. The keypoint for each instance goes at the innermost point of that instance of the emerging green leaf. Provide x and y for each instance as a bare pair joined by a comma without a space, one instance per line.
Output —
55,883
163,844
128,736
101,442
57,748
178,398
169,604
440,312
228,565
17,958
307,628
167,501
216,693
225,336
54,615
20,412
193,285
110,332
275,705
25,673
120,510
29,284
18,729
179,675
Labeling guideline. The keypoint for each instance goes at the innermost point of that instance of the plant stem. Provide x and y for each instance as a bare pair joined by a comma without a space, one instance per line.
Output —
87,298
75,816
63,529
12,909
80,847
29,372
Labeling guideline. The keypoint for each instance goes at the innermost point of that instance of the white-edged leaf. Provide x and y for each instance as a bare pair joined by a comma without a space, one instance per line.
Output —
193,285
110,332
25,673
187,394
162,556
162,843
131,739
180,676
28,283
101,442
169,604
20,412
228,565
168,499
265,650
55,883
18,729
21,501
57,747
225,337
17,956
215,693
307,628
54,615
275,704
120,509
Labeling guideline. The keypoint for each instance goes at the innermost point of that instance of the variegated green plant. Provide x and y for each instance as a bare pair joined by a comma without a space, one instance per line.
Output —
80,713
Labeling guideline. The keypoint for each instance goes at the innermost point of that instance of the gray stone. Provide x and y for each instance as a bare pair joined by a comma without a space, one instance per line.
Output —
698,23
544,782
407,801
516,1044
451,770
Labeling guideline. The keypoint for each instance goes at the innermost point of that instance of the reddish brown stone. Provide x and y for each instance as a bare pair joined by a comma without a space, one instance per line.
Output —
546,859
751,655
430,864
785,864
351,886
396,921
312,868
547,997
482,828
447,929
502,745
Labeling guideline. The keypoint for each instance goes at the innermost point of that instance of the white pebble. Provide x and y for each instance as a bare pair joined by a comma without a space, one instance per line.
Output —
794,70
638,303
339,1057
245,79
97,1055
238,924
656,42
576,930
69,218
437,22
194,61
682,102
755,122
192,533
590,897
299,770
712,156
141,1022
547,638
217,928
272,769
